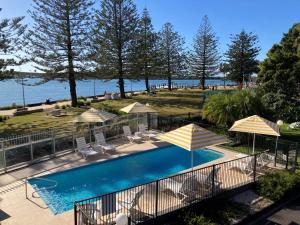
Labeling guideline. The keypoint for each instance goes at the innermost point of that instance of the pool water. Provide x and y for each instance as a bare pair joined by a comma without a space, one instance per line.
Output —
117,174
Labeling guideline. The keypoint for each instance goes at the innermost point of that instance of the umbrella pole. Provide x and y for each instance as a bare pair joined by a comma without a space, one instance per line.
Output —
137,122
276,146
192,160
253,150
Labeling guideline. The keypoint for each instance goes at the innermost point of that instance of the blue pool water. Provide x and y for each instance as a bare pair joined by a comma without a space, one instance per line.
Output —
117,174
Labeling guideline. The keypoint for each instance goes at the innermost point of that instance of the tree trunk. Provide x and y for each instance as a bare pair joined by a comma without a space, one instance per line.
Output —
147,83
203,83
121,87
71,73
169,83
72,84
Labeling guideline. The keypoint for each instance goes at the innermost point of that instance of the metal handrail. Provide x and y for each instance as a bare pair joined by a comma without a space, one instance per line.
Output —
55,183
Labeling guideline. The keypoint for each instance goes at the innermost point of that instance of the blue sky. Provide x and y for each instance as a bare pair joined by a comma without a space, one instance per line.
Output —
269,19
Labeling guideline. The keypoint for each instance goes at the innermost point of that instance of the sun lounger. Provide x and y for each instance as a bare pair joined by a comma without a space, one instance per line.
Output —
100,142
183,190
129,136
245,166
145,133
206,180
131,201
84,149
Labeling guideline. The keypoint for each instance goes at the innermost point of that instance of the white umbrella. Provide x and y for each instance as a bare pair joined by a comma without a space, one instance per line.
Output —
137,108
94,116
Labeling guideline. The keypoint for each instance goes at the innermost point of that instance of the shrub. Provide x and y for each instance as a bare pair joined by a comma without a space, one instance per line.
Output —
88,103
194,219
80,103
223,109
56,107
275,185
63,106
2,119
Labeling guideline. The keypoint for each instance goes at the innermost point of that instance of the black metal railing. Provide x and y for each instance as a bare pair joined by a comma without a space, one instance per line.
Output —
149,201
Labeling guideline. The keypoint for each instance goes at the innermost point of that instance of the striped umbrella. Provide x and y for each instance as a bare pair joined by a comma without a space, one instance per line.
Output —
192,137
256,125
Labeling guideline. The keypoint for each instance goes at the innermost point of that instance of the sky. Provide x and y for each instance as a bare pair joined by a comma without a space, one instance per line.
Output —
268,19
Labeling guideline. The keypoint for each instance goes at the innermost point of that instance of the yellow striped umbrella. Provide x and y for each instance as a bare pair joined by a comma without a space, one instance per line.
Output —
256,125
192,137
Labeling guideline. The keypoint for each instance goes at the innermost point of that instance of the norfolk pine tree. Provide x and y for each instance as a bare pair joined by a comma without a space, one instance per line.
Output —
205,58
114,37
147,51
60,39
172,53
241,57
11,44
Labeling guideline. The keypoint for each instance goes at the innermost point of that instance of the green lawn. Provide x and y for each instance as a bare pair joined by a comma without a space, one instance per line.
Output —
290,134
166,103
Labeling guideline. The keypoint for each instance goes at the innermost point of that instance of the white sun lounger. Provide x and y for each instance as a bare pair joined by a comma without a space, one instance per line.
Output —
145,133
131,201
100,142
183,190
84,149
246,166
129,136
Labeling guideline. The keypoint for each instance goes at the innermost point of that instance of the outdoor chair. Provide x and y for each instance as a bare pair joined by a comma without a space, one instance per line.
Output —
145,133
84,149
129,136
187,189
245,166
264,159
101,210
131,201
207,179
100,142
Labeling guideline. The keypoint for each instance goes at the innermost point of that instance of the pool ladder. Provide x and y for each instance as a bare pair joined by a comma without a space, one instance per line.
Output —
52,182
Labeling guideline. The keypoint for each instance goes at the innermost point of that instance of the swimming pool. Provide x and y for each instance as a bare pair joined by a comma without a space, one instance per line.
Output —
116,174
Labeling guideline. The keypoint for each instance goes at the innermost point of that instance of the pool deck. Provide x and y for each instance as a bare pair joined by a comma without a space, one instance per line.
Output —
16,210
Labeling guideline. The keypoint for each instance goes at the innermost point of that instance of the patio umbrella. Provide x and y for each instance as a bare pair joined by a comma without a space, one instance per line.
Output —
256,125
137,108
94,116
192,137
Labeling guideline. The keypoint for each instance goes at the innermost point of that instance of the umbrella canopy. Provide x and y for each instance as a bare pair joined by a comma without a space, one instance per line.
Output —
137,108
256,125
192,137
94,116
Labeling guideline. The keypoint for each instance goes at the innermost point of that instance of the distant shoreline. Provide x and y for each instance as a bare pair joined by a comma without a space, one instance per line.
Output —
57,91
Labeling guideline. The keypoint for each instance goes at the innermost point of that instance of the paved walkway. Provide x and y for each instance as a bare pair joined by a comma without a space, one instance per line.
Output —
288,215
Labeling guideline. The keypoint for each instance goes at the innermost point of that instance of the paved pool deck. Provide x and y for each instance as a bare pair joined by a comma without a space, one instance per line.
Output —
15,209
